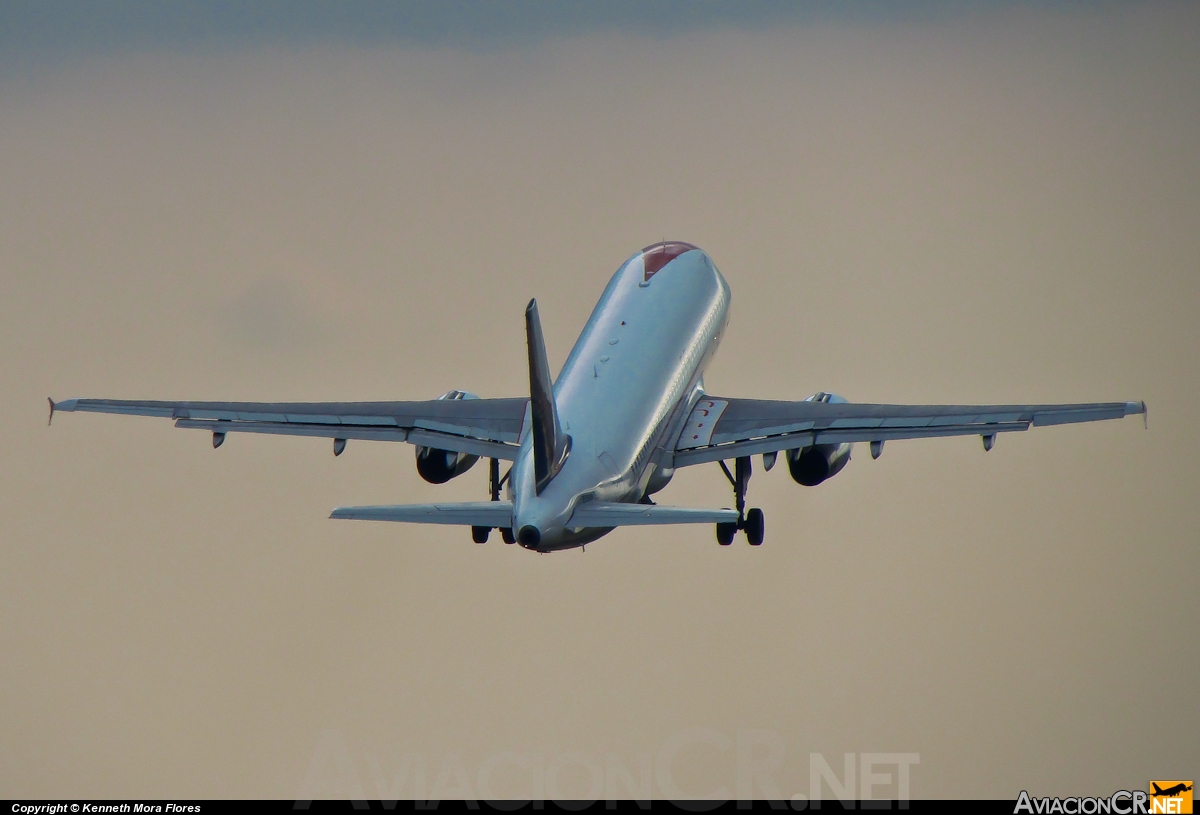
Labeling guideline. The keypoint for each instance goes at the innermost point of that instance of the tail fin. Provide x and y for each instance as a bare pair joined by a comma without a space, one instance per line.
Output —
1157,789
550,445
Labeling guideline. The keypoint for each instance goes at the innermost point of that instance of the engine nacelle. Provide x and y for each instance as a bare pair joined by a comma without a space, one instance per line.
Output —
812,465
439,466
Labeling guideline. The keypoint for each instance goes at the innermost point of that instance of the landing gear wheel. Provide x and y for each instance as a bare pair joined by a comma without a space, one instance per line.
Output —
755,526
479,534
751,521
507,534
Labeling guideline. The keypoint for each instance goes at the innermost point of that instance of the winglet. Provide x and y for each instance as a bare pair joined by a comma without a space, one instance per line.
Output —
50,421
550,445
1139,407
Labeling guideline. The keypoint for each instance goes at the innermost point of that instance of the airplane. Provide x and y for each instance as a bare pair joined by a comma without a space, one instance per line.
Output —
628,409
1170,792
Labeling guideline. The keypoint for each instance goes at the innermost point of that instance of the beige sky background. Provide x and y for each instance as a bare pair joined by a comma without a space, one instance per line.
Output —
999,206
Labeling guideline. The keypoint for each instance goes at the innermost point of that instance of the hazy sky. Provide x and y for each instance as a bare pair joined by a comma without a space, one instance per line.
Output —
934,205
79,25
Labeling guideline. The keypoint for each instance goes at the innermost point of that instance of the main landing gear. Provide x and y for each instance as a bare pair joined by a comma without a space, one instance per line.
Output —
752,521
479,534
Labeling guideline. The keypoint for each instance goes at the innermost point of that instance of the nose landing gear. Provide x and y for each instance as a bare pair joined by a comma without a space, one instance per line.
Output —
752,522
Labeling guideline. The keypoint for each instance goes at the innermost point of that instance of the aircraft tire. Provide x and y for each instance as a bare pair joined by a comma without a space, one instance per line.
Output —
755,527
726,533
507,534
479,534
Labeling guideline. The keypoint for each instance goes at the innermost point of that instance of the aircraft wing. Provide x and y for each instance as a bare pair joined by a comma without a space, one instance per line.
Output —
483,427
722,428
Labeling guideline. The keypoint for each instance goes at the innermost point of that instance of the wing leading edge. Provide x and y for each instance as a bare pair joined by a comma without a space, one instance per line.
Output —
484,427
720,428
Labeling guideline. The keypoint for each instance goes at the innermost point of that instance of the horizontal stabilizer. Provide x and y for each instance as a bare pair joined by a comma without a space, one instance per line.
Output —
496,514
601,514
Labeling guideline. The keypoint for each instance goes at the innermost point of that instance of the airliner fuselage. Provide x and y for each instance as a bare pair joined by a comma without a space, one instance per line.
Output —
625,391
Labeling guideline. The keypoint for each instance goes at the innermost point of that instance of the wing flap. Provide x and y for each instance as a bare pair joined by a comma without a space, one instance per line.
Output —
425,438
324,431
464,444
495,514
794,441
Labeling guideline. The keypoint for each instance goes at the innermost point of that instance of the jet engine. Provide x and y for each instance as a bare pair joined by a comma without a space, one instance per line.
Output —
439,466
812,465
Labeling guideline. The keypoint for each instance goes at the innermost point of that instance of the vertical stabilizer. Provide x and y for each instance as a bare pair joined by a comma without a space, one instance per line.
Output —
550,444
